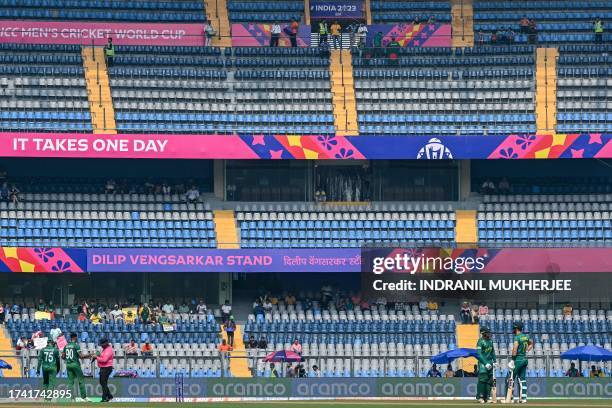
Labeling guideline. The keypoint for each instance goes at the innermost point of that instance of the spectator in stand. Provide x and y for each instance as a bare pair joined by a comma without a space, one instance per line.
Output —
393,50
224,347
423,304
480,37
22,344
432,306
377,44
296,347
4,192
110,187
488,187
433,372
290,299
416,20
595,372
483,310
131,349
145,313
432,20
275,33
102,313
192,195
55,332
183,308
273,371
226,311
15,310
230,329
166,189
252,343
323,32
598,29
474,314
504,186
364,305
263,343
362,34
117,314
533,32
209,33
2,313
95,318
109,52
293,32
524,24
82,317
147,349
168,308
201,307
336,30
267,305
14,194
259,312
449,373
315,371
465,313
573,371
567,310
290,373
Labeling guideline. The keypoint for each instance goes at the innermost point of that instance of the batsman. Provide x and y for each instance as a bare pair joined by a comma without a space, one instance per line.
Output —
72,353
486,361
522,345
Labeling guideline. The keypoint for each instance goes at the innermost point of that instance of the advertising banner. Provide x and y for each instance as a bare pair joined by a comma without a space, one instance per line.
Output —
310,147
412,35
337,9
86,32
258,35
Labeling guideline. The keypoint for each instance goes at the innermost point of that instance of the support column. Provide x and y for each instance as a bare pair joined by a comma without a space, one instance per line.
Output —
219,179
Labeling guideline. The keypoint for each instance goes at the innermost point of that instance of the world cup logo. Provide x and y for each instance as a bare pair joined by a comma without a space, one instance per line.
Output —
434,150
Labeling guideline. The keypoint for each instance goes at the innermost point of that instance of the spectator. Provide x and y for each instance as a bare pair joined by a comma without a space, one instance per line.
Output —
449,373
377,44
335,30
465,313
109,52
300,372
290,299
598,29
573,371
259,312
351,29
145,313
192,195
147,349
433,372
55,332
14,194
524,25
209,33
252,344
131,349
567,310
183,308
315,371
230,329
15,310
323,32
224,347
226,311
82,317
95,318
488,187
364,305
393,50
293,32
168,308
102,313
483,310
4,192
117,314
423,304
595,372
2,312
432,306
432,20
533,32
480,37
290,373
201,307
504,186
273,372
263,343
110,187
362,34
22,344
296,347
416,20
275,32
166,189
267,305
474,314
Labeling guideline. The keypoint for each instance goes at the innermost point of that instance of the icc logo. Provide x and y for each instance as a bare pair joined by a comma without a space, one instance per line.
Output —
434,149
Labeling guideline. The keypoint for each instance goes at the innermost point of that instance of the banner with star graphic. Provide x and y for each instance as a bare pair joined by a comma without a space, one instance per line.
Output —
412,35
306,147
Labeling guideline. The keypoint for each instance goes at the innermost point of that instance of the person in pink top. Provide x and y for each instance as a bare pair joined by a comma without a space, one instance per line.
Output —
105,362
296,347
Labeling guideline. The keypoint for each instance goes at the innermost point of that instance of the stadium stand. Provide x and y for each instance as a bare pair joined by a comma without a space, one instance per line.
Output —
259,11
42,88
446,91
308,225
244,90
557,22
384,11
184,11
584,88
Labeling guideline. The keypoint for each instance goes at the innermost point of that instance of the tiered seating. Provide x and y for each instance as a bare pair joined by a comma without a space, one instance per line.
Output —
42,88
99,10
189,349
552,332
188,90
380,342
384,11
106,220
262,11
559,21
545,219
441,91
584,88
307,226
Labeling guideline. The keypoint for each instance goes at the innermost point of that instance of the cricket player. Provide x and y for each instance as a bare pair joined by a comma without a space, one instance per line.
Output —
522,345
72,353
486,360
49,360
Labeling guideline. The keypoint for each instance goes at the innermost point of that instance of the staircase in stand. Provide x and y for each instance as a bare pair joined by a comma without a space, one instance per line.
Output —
343,93
546,90
225,228
6,349
98,91
216,13
462,13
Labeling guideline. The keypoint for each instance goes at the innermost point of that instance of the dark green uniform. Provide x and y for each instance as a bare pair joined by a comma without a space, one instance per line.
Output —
520,363
73,367
486,355
49,360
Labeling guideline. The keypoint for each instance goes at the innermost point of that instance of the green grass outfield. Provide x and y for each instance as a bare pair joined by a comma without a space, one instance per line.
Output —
320,404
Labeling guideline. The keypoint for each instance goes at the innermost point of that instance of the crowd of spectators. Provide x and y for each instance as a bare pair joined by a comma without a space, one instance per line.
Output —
471,313
190,193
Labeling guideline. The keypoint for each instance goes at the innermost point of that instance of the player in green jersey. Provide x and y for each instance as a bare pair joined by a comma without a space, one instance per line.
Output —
486,360
72,353
49,361
522,345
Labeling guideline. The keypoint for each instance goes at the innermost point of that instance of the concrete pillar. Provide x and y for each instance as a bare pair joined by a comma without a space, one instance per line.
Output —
465,179
219,179
225,287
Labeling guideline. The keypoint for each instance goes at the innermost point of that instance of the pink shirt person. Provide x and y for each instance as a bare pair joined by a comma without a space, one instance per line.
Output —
105,359
296,347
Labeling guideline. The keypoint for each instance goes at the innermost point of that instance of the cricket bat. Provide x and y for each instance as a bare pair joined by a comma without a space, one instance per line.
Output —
510,390
494,390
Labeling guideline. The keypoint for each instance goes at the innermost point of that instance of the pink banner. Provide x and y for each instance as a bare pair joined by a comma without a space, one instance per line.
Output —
84,32
70,145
